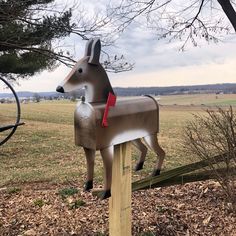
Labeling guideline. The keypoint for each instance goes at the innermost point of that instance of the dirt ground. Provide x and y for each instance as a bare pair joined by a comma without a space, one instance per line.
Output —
49,209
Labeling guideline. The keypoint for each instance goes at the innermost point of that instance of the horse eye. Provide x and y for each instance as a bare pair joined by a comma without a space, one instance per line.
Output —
80,70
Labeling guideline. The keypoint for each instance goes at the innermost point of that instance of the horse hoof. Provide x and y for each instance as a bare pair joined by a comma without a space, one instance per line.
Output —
156,173
88,185
139,166
105,194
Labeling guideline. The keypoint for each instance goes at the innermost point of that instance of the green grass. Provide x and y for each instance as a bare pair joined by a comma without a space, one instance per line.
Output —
44,150
49,112
76,204
13,190
66,192
39,202
199,99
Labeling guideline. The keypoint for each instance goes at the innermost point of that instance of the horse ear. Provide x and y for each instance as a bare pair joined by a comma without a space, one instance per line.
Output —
88,47
95,52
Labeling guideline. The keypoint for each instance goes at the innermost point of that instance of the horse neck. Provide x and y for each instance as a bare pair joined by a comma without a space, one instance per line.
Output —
99,91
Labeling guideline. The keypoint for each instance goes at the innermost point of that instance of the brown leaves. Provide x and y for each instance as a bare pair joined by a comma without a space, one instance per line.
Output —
206,220
176,210
30,232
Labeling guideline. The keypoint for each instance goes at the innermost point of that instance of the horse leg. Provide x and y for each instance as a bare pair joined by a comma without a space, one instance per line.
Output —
90,157
143,149
152,142
107,157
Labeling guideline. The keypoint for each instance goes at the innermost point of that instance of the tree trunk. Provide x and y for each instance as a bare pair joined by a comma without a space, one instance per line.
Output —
229,11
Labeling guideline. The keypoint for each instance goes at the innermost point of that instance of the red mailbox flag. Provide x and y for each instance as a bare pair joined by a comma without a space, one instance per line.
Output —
111,101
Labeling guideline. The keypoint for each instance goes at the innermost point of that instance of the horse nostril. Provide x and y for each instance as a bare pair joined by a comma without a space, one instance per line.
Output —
60,89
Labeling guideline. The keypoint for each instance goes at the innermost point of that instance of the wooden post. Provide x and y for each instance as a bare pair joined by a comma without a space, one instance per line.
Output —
120,201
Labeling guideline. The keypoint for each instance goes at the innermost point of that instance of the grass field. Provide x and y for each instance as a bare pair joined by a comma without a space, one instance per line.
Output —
44,150
200,99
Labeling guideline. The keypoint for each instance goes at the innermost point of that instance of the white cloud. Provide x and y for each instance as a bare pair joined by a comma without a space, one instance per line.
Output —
157,63
46,81
187,75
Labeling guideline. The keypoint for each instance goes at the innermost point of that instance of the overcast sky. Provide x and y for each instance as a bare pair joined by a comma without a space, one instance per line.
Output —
157,63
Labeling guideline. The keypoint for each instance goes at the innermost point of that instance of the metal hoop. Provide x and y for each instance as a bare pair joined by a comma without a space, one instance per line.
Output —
18,112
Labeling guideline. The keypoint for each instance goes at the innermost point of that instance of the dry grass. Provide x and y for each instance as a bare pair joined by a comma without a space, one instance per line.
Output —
199,99
44,150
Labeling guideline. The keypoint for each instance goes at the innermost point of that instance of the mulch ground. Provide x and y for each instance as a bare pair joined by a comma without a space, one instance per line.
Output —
191,209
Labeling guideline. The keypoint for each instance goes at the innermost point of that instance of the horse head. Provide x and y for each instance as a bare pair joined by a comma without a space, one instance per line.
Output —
89,74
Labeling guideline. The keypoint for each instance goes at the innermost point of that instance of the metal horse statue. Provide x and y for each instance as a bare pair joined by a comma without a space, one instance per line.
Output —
129,119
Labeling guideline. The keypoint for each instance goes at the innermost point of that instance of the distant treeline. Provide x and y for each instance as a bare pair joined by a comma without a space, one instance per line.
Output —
194,89
138,91
213,88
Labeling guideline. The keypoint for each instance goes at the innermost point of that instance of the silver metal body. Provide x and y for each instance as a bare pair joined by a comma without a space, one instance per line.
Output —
129,119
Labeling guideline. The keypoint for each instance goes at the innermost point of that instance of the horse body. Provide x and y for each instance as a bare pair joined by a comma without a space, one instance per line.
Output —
129,120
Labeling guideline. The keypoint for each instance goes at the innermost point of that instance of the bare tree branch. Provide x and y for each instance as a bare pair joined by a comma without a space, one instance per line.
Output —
187,21
27,26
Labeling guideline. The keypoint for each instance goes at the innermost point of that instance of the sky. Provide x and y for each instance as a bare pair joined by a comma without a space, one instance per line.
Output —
157,62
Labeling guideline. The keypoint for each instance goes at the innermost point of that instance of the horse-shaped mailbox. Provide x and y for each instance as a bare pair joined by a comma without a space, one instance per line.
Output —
99,128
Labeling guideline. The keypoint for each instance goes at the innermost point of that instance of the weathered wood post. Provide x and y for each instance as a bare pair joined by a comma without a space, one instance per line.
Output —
120,200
